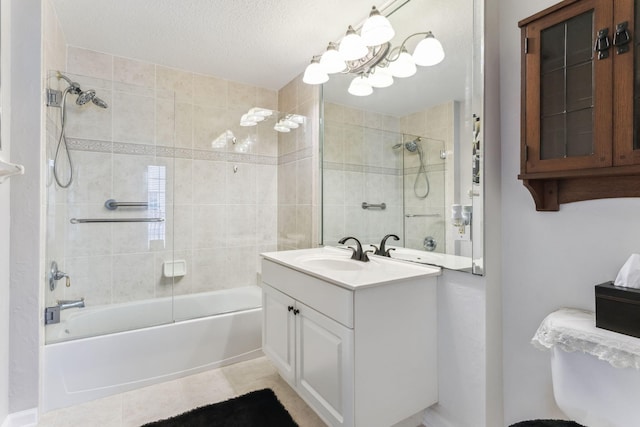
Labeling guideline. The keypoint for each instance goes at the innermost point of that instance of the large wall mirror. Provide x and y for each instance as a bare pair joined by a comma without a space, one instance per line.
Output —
407,159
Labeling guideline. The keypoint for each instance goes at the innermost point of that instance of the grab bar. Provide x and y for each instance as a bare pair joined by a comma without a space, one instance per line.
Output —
112,204
366,205
90,220
421,215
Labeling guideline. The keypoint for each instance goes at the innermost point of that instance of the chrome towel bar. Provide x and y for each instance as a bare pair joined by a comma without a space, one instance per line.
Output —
366,205
112,204
89,220
421,215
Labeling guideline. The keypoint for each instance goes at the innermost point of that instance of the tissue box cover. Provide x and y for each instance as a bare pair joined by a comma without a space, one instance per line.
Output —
618,309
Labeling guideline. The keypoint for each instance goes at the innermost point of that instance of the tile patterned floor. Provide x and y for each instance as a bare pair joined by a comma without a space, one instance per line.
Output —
134,408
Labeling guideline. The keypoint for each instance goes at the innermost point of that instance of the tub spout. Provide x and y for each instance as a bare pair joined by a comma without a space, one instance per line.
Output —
65,304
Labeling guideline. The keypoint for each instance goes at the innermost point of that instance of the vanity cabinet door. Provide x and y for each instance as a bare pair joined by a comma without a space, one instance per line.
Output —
324,365
278,331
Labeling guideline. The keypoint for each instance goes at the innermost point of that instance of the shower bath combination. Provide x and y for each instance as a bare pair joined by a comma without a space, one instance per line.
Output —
413,147
55,98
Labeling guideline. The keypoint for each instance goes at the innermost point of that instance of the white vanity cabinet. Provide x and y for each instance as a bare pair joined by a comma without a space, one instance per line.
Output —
360,354
312,352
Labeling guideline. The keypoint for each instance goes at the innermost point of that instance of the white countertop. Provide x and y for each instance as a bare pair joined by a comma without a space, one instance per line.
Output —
335,265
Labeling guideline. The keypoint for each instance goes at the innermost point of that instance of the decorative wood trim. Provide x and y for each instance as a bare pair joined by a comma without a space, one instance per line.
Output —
545,194
546,11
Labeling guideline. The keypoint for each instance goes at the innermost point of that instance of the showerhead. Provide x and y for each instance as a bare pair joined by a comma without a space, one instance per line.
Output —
85,96
412,146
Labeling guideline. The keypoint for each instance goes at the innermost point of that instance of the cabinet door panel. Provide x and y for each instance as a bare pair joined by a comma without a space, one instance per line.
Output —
626,83
278,331
568,90
324,369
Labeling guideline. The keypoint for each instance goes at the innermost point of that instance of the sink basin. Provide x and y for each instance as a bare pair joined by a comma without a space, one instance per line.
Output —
331,263
336,266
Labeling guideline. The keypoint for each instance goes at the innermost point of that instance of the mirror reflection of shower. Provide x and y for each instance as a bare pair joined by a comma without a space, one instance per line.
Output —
413,146
58,99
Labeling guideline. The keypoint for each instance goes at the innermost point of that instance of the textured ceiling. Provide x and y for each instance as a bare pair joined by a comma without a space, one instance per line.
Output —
269,42
262,42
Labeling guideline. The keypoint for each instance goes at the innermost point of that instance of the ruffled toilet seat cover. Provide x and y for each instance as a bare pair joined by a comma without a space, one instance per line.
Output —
575,330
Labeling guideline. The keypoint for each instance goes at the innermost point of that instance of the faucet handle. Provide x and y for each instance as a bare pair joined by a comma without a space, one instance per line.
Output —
388,252
365,257
377,250
354,252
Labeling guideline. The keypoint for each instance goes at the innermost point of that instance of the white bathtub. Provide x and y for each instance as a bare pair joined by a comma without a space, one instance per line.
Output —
225,328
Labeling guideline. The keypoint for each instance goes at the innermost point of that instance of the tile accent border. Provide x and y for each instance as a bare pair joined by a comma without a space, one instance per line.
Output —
165,151
303,153
348,167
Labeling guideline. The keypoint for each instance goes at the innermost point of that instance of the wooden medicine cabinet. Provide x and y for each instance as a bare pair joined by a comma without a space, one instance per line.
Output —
581,102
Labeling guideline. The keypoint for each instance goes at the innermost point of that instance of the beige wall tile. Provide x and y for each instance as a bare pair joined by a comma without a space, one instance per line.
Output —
134,72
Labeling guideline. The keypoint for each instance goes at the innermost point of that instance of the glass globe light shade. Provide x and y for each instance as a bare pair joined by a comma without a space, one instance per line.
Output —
360,87
380,77
376,29
403,66
314,74
428,52
331,60
351,46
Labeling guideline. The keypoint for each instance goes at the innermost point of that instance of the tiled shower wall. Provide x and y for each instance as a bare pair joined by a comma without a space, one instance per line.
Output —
298,169
55,58
438,125
225,203
442,124
361,166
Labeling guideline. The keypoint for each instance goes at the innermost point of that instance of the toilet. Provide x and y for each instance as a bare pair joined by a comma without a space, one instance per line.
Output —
596,380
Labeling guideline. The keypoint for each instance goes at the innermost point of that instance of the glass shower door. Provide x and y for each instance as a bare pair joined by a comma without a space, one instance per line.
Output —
109,222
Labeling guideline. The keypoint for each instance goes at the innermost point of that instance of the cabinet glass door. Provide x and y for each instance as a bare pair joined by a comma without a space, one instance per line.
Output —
568,90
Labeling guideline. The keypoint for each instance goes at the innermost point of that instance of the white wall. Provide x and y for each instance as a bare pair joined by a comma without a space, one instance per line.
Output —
26,280
4,221
553,259
461,352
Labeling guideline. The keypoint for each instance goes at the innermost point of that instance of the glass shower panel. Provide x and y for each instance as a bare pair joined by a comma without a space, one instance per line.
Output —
111,229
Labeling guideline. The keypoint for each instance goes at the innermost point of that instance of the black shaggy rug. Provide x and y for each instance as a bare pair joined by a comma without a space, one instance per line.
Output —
256,409
546,423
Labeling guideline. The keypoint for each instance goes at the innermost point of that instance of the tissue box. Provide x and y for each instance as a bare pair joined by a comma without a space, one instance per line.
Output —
618,309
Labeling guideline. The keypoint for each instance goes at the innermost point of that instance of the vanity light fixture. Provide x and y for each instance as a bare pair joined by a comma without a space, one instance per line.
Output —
370,56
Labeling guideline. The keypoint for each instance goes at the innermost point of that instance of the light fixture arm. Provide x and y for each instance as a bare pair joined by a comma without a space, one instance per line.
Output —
404,42
374,57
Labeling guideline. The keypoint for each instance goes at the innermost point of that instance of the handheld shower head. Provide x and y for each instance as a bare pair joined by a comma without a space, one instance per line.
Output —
86,96
83,96
99,102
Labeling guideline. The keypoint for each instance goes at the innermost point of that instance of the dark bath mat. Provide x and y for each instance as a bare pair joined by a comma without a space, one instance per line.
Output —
256,409
546,423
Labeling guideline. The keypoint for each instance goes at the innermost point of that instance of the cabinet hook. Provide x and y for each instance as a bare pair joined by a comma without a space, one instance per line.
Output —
602,43
622,38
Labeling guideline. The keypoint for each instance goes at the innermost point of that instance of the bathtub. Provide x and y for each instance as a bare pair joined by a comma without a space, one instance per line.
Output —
212,329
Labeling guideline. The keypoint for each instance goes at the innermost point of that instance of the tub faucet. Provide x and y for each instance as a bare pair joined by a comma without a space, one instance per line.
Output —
70,303
357,253
381,250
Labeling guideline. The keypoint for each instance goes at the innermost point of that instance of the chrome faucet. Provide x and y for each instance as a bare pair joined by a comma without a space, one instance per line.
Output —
381,250
357,253
64,304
